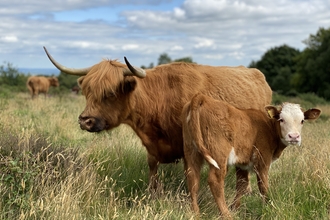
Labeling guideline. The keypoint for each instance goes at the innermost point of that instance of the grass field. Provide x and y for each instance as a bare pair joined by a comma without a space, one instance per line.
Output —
50,169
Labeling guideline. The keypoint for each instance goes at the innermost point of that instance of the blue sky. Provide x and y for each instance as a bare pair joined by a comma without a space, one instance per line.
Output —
81,33
111,14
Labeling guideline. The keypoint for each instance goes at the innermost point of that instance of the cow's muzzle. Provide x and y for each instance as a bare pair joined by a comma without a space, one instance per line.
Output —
91,124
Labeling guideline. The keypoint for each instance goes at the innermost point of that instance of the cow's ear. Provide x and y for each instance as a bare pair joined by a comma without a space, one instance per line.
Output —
80,80
272,112
312,114
129,84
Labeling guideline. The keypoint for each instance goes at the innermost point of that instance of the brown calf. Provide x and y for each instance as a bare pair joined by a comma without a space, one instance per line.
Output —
224,135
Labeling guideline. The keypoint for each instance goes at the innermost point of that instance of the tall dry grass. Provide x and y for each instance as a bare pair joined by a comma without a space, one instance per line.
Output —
50,169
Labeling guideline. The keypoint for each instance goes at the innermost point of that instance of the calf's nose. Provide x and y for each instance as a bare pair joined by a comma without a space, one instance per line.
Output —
294,136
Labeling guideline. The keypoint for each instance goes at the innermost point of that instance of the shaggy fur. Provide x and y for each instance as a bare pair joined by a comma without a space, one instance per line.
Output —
224,135
152,105
40,84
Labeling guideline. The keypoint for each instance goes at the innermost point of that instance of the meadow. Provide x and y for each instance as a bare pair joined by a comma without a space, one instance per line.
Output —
51,169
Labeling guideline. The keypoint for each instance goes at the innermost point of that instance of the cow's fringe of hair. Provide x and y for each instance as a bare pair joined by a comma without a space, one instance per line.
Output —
102,78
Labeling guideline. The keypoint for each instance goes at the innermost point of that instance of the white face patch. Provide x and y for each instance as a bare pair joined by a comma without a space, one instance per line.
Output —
291,122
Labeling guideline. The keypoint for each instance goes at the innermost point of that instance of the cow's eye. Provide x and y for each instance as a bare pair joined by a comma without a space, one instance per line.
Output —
281,120
302,121
110,96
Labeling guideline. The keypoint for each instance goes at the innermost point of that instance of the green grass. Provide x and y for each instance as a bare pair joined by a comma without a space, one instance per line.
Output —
50,169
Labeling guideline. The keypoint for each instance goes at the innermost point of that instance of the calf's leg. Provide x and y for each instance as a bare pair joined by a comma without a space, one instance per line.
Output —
242,186
262,177
193,164
216,182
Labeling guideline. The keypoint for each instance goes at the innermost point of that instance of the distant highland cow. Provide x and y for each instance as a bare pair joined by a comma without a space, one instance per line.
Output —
40,84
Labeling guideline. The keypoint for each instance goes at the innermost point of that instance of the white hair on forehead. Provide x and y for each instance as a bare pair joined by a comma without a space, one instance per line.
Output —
290,109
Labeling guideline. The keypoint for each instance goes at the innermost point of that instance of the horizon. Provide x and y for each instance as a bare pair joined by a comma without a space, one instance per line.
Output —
39,71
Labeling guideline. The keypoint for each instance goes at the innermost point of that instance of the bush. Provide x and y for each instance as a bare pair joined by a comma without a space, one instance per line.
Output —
306,100
26,163
10,76
312,98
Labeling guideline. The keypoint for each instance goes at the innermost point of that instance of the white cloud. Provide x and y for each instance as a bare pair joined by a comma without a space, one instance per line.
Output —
202,43
82,44
237,55
176,48
9,39
214,56
130,47
179,13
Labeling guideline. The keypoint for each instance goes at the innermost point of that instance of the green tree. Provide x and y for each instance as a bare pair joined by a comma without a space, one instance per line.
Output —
279,65
164,58
184,59
67,82
313,66
151,65
11,77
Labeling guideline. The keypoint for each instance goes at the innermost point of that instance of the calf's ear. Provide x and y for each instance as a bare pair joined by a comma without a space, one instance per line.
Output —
312,114
272,112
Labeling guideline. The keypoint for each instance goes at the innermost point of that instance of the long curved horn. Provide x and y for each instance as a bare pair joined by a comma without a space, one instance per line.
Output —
71,71
136,71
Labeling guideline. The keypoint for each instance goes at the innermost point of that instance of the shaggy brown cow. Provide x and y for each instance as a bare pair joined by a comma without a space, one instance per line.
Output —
40,84
151,101
224,135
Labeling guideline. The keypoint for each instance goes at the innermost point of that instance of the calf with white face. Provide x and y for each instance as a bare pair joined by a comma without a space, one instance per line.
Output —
291,120
248,139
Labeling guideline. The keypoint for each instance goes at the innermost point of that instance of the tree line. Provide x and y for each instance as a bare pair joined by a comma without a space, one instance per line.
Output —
288,71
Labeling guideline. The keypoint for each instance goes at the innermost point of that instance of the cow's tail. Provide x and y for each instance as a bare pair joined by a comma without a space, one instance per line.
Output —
195,129
29,85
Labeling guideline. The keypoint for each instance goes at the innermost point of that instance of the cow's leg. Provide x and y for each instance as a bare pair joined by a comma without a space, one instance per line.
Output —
193,164
242,186
153,178
33,93
36,93
262,177
216,182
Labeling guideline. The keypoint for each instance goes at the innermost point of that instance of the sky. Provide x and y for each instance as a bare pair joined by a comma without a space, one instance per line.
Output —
80,33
